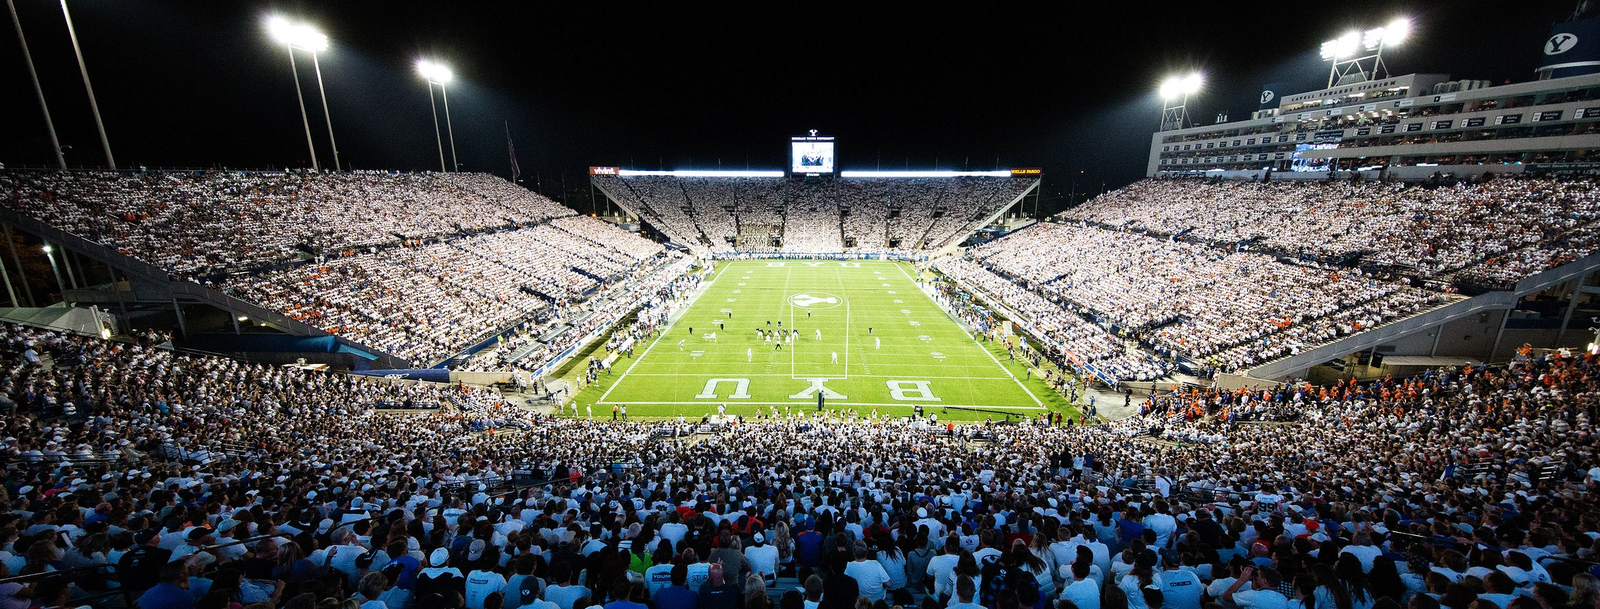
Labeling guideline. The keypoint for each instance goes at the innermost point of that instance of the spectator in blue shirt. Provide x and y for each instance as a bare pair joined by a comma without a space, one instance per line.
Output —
625,595
172,592
678,595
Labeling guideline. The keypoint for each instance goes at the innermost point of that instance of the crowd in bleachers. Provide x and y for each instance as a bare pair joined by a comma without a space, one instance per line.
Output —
420,265
1462,488
647,295
1498,230
1072,336
912,213
662,202
711,200
427,302
1189,299
204,223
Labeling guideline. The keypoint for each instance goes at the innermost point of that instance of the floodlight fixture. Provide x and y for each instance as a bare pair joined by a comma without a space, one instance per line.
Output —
1179,86
1341,47
434,71
1175,92
301,36
1357,56
1397,31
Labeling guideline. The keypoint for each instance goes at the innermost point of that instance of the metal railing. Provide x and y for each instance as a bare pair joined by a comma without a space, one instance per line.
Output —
179,288
94,584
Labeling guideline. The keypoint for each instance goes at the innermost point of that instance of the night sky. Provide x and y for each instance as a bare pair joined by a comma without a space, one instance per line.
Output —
1069,87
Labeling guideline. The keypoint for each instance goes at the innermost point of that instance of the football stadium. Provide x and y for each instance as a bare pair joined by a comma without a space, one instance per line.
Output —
677,313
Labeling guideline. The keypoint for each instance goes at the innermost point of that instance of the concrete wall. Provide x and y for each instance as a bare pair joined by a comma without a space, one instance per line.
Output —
1226,381
1420,343
1470,337
479,378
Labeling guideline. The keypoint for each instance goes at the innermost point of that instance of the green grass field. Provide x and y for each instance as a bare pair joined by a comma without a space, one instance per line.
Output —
895,349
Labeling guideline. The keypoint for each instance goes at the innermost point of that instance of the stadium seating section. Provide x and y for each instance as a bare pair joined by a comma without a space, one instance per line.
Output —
419,265
871,216
1231,274
139,475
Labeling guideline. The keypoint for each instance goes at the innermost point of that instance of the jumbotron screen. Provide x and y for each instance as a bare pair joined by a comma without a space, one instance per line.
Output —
811,154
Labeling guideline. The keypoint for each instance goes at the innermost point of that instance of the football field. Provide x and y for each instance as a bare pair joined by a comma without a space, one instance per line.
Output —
860,334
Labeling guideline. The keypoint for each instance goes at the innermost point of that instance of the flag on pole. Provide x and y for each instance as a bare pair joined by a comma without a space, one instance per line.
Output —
516,172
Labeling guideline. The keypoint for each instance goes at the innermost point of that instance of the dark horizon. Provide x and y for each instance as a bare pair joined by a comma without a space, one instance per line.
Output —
198,84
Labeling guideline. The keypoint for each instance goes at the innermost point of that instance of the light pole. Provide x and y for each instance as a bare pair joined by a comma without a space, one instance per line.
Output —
323,93
48,253
1175,94
94,106
438,74
304,37
27,58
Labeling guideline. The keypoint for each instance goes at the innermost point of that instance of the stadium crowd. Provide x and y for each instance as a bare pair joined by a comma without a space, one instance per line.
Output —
198,224
1498,230
1462,488
1071,337
427,302
910,214
1229,308
420,265
651,298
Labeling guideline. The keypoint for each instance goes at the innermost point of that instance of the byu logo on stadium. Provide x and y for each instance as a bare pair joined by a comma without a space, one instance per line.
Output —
1266,96
815,300
1560,43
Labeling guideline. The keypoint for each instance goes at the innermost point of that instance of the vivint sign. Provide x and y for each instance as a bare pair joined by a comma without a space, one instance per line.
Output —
605,171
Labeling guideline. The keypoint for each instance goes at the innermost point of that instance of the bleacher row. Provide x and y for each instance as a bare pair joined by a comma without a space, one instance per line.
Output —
1467,488
1230,274
421,265
1488,232
869,216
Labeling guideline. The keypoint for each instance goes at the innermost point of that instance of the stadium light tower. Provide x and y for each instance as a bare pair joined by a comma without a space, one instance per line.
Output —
306,38
1357,56
438,74
1175,94
27,59
94,106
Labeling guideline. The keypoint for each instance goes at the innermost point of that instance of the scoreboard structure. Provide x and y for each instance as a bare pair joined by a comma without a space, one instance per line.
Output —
812,155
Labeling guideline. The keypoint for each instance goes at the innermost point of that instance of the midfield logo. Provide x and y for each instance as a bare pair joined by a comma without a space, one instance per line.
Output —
806,301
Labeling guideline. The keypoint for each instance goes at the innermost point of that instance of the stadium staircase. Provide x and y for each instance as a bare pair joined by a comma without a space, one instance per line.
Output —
839,213
933,220
639,207
888,230
688,210
979,222
783,229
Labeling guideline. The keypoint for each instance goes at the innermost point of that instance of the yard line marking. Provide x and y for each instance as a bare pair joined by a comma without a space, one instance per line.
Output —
838,275
794,346
979,345
663,334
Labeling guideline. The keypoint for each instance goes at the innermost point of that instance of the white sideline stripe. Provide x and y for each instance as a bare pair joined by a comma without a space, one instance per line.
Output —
975,342
664,332
908,377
